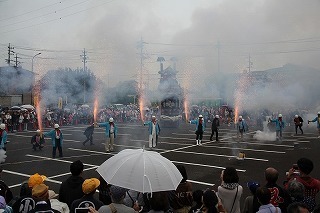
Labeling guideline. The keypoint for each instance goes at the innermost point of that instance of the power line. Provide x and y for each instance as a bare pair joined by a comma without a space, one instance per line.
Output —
55,19
210,44
59,2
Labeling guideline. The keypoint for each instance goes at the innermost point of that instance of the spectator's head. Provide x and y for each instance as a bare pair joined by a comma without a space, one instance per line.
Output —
297,208
76,168
210,201
159,201
25,190
197,196
52,194
253,187
271,175
264,195
230,175
89,186
296,190
2,203
40,192
36,179
117,193
305,165
38,132
183,172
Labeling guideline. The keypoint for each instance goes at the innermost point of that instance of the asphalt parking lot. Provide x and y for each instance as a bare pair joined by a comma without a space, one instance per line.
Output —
203,163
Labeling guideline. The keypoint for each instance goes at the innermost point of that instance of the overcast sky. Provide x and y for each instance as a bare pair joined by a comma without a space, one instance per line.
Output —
273,32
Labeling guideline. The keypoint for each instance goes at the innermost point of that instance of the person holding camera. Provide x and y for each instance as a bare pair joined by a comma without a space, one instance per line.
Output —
301,173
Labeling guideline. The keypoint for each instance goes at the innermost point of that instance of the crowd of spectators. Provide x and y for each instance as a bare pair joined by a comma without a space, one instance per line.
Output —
299,193
27,119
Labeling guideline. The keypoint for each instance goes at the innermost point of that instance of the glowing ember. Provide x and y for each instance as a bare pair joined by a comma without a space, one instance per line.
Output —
186,109
236,112
95,110
141,105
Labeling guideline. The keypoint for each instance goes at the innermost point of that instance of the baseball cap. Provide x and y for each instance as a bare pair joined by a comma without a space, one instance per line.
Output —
90,185
36,179
252,185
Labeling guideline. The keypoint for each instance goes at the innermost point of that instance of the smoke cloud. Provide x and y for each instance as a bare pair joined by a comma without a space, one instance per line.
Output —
211,39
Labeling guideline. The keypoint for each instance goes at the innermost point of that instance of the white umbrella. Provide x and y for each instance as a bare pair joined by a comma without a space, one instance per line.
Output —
140,170
27,106
85,106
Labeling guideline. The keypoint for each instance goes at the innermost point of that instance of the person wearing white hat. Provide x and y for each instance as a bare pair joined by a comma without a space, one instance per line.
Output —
111,133
56,204
215,127
200,126
3,136
316,119
279,126
154,131
298,122
37,140
242,127
56,140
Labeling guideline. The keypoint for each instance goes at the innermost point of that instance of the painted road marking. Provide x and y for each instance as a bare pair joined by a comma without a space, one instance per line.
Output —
179,162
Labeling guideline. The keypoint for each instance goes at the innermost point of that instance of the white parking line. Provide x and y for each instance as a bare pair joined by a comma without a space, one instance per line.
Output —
201,183
179,162
217,155
55,159
254,150
204,165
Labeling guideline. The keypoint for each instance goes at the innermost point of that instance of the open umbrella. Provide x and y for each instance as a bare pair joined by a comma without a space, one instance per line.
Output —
85,106
28,106
140,170
15,108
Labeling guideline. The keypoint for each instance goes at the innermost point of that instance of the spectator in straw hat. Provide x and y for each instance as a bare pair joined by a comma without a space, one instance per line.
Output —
56,204
26,202
117,196
56,139
89,187
40,194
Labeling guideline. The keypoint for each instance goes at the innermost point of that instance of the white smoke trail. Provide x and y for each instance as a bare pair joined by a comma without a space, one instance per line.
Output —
265,135
3,156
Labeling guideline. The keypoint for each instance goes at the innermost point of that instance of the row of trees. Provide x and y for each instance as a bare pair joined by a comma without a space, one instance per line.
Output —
81,86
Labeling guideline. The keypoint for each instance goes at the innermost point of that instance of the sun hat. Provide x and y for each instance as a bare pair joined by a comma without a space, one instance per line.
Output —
90,185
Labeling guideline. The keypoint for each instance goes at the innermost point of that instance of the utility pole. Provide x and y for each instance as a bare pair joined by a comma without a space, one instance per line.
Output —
140,46
10,53
16,61
84,60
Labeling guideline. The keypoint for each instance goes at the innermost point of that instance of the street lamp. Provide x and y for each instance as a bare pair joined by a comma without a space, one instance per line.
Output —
32,60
